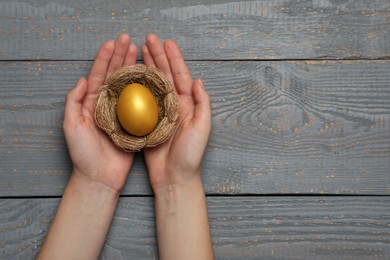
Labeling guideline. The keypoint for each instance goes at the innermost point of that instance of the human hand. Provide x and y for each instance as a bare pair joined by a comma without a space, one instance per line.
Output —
99,168
94,156
177,161
183,230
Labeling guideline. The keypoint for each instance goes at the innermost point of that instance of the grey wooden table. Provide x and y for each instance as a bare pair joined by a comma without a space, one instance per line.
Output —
298,165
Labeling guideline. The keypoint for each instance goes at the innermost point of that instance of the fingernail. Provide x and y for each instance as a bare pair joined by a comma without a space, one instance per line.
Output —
79,82
201,83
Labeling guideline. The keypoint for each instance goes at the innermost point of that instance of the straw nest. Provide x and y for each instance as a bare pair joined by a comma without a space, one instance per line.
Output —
161,88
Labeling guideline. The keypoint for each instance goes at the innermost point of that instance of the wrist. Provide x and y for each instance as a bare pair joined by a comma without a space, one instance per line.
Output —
181,220
184,192
84,185
82,220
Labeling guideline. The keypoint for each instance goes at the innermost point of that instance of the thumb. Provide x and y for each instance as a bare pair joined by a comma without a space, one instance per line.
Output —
73,105
202,113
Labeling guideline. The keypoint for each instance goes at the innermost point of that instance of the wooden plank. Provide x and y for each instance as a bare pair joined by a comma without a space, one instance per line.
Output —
242,228
222,29
278,127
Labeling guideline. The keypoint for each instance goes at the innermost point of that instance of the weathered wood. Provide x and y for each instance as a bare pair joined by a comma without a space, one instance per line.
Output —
278,127
242,228
222,29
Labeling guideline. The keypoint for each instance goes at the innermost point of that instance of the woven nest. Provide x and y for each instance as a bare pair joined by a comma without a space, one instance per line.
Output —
161,88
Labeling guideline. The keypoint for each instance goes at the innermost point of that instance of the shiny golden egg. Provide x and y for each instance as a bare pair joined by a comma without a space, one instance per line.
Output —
137,109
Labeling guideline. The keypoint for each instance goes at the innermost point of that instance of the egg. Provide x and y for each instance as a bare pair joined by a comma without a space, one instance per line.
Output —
137,109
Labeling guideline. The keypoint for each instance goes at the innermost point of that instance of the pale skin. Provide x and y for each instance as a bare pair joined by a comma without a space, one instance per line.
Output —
100,170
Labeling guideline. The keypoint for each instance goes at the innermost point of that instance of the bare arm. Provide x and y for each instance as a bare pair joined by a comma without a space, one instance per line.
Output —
82,221
182,222
100,170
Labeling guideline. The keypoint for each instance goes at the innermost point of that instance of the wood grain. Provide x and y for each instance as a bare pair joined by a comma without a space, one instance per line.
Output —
242,228
278,127
222,29
294,124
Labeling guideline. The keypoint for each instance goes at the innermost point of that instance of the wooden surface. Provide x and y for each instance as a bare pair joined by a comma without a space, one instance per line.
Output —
206,29
278,127
301,107
242,228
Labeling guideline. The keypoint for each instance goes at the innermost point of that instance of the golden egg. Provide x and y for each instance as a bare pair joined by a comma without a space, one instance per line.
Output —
137,109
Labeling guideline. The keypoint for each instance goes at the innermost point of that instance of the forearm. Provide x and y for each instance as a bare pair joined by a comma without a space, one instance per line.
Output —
82,221
182,222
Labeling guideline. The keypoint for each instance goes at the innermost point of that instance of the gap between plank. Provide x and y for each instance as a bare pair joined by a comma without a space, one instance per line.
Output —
215,196
221,60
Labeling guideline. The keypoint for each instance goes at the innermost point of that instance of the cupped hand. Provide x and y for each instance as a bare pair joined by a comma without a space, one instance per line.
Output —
94,156
177,161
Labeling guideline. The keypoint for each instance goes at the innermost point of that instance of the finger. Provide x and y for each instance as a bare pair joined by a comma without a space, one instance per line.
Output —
157,52
121,46
148,59
180,73
98,72
74,99
202,112
131,55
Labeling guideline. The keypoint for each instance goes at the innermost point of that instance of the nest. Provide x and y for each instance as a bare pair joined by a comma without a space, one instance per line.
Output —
161,88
